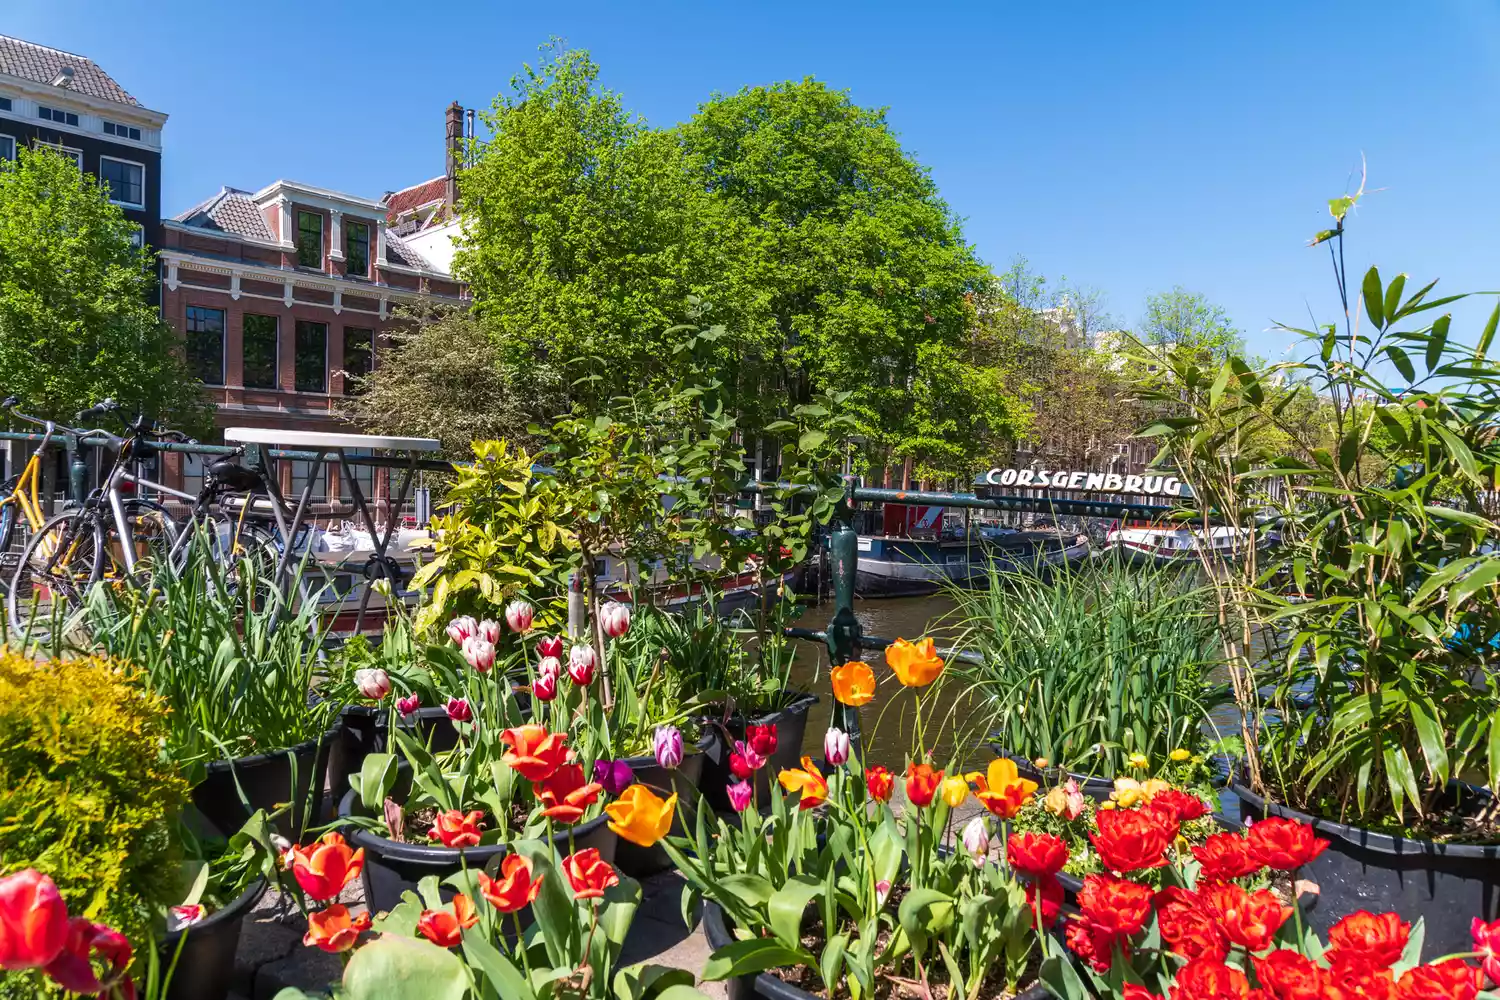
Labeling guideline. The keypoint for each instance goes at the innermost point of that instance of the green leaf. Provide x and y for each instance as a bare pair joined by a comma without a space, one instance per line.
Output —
395,968
645,980
1402,362
1437,340
1392,302
1374,300
811,440
756,955
507,980
1489,333
926,913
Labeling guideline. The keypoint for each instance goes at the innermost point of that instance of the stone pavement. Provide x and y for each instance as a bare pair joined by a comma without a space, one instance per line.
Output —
271,954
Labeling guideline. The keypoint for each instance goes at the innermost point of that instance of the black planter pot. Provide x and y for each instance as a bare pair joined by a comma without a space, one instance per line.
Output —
392,868
765,985
1098,789
637,861
267,782
791,728
363,730
1445,884
205,966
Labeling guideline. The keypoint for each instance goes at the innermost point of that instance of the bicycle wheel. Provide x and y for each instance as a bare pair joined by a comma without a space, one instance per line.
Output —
152,534
57,566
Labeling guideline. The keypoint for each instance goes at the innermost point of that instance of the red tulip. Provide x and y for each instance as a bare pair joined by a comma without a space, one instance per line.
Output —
1115,904
1248,919
534,753
514,888
1284,844
1036,854
1131,839
33,920
565,795
589,874
445,927
333,930
73,968
1052,899
1362,936
457,829
1187,927
323,869
1206,979
880,783
1225,856
761,738
1450,980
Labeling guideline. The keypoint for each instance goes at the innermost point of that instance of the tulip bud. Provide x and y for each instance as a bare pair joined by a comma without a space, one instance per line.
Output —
739,794
409,704
976,841
666,743
374,683
459,710
480,653
882,890
1066,801
462,628
185,916
614,619
489,631
835,746
551,646
519,615
581,664
544,688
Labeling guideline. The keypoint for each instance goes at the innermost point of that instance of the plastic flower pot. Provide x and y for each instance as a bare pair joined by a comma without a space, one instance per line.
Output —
392,868
363,730
1447,885
637,861
205,966
266,780
791,728
716,930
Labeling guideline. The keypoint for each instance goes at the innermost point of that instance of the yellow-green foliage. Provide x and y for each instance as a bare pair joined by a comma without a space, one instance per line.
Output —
85,795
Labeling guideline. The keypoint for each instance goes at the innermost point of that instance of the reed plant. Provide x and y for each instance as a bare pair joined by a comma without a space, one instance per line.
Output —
1090,665
234,657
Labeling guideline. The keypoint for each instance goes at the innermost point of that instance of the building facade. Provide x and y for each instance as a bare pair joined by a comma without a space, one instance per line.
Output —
53,98
277,294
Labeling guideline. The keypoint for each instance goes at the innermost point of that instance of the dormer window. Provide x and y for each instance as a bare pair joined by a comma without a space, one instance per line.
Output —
357,249
5,104
310,240
123,131
57,115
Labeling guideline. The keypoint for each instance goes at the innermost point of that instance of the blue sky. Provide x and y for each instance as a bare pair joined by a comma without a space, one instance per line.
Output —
1129,146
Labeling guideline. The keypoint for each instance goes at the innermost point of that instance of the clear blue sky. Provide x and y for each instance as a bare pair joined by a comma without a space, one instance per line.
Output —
1130,146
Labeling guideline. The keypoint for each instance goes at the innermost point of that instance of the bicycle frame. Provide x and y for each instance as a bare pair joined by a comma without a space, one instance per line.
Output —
26,492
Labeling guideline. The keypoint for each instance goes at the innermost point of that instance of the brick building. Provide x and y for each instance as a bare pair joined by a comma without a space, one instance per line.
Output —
53,98
278,292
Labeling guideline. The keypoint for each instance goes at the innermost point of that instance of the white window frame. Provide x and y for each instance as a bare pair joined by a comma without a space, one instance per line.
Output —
58,111
58,147
141,205
13,145
118,133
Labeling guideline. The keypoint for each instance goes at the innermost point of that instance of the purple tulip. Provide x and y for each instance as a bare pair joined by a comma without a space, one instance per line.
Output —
614,775
739,795
459,710
409,704
666,743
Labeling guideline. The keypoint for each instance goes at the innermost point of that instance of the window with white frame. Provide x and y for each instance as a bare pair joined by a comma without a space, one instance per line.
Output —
76,155
125,180
5,104
123,131
7,147
57,115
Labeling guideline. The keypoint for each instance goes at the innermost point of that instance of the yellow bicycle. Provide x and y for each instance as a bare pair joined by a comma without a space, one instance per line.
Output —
20,499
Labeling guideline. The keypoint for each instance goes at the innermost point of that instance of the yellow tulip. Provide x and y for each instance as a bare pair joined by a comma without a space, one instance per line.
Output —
1002,790
640,815
1128,792
1140,761
1153,785
954,790
1180,755
916,663
853,683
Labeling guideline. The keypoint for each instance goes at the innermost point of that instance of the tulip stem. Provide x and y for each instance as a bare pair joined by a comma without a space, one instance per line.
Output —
515,915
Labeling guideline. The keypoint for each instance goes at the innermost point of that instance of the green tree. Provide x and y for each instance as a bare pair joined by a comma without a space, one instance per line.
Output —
853,273
1181,318
76,323
584,237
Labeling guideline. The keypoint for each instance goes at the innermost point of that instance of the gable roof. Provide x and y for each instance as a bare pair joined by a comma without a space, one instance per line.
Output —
229,211
414,197
41,64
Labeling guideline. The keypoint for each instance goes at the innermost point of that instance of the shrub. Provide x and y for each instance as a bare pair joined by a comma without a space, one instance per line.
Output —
86,795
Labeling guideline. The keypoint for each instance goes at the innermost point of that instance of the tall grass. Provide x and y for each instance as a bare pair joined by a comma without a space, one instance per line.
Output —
1089,664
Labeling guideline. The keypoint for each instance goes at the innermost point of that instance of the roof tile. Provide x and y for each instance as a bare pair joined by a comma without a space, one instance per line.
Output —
42,65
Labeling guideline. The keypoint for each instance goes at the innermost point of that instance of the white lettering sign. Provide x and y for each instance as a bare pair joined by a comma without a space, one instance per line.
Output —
1090,482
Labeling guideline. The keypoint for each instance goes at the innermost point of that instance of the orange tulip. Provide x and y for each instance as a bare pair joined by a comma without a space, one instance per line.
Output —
514,888
641,816
916,663
1003,791
456,829
922,783
853,683
535,753
589,874
445,927
323,869
333,931
564,795
809,781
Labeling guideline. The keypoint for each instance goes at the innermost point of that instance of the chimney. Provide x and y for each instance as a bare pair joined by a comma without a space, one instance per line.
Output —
453,143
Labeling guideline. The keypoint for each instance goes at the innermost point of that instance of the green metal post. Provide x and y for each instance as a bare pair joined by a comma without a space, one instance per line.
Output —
78,473
844,632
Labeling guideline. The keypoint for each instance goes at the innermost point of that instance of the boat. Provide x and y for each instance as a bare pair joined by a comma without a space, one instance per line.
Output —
924,549
1161,545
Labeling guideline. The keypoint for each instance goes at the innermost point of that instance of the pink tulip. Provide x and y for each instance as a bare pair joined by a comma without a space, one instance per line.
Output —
489,631
581,664
835,747
459,710
409,704
739,794
479,653
551,646
462,628
518,615
187,915
614,619
374,683
544,688
666,744
33,920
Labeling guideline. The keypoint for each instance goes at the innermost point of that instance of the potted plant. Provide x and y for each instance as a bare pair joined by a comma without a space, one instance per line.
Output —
834,891
239,664
1373,714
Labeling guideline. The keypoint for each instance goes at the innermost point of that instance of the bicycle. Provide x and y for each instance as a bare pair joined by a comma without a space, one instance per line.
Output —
21,499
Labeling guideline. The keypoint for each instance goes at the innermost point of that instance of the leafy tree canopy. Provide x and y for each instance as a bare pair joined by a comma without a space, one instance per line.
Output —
1181,318
76,323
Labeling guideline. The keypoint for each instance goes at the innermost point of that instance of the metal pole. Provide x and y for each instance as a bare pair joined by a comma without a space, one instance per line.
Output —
844,634
78,473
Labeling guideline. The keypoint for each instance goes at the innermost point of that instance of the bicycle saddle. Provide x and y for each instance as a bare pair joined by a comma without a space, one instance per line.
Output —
228,474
